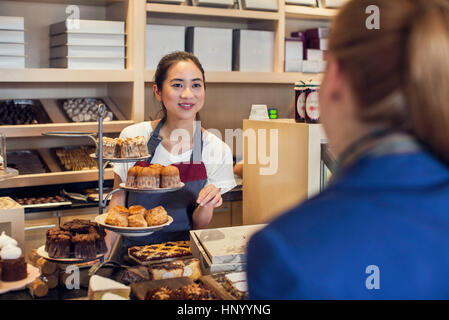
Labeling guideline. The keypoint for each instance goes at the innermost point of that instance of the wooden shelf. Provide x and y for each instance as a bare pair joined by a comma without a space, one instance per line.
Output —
65,75
31,180
252,77
212,12
303,12
36,130
76,2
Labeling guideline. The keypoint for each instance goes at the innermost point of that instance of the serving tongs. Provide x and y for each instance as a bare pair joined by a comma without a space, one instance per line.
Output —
76,196
97,266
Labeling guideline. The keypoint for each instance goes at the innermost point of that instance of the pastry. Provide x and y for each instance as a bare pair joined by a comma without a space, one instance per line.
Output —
12,263
84,246
77,159
192,269
193,291
148,178
99,286
135,274
169,270
58,243
77,226
109,147
138,209
236,283
137,221
116,219
170,177
163,293
156,216
98,234
156,252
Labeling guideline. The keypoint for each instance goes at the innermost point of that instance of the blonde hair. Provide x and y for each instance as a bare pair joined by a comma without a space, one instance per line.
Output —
399,73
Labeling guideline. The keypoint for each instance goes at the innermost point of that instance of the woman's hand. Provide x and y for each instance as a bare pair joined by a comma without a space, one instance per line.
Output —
210,196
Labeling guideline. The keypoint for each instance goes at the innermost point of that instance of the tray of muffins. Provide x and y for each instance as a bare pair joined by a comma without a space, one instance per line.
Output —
123,149
75,241
135,221
152,178
15,272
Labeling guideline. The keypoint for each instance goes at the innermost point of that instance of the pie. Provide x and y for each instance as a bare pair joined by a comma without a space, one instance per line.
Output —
155,252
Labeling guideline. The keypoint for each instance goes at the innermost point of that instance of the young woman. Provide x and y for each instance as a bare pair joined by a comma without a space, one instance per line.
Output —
380,229
204,161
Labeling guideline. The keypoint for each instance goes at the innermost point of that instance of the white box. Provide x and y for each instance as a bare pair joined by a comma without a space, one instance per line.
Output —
302,2
10,62
313,66
294,49
87,52
88,26
213,3
12,49
333,3
88,63
314,54
167,1
161,40
8,36
12,23
293,65
253,51
82,39
212,46
269,5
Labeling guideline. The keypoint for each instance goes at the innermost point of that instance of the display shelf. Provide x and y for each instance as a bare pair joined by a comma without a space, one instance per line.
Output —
31,180
211,12
36,130
252,77
302,12
77,2
65,75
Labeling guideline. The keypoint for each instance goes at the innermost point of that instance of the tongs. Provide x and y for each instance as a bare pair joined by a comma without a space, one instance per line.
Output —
97,266
76,196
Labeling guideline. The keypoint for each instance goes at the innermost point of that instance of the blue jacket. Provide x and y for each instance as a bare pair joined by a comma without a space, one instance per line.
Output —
381,231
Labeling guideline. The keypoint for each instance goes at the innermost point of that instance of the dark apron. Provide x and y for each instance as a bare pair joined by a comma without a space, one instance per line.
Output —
180,204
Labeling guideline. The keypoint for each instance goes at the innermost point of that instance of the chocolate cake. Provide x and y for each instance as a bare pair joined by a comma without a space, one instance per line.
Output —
13,269
77,226
58,243
84,246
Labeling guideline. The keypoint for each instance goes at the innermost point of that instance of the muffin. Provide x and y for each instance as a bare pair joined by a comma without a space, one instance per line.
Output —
156,216
170,177
131,178
84,246
149,178
142,146
109,147
58,243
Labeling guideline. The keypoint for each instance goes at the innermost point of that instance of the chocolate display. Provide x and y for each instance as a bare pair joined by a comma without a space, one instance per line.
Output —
26,162
39,200
13,112
85,109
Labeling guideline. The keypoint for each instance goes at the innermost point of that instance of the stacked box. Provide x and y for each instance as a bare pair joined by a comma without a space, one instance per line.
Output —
87,44
333,3
266,5
12,42
253,51
311,3
212,46
161,40
214,3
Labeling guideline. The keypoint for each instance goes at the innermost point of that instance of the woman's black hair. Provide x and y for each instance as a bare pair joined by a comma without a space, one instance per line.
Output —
166,62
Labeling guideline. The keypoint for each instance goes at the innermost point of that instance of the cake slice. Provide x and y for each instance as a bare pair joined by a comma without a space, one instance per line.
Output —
99,286
112,296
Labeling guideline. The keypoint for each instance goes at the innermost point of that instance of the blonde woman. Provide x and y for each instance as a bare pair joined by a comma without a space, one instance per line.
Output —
381,228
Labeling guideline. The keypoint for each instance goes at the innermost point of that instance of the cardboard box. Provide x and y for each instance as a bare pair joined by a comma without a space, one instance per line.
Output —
293,55
12,220
11,62
212,46
12,49
88,63
268,5
83,39
213,3
253,51
312,3
87,52
10,36
12,23
88,26
161,40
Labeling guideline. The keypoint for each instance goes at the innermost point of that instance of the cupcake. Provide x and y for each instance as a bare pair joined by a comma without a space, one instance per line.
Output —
12,263
170,177
131,178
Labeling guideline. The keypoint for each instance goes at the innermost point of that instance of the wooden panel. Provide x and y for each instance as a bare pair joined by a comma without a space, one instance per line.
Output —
266,196
49,160
221,217
303,12
237,213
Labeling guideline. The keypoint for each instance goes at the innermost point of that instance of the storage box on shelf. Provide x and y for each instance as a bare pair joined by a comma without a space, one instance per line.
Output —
269,5
161,40
253,51
214,3
12,42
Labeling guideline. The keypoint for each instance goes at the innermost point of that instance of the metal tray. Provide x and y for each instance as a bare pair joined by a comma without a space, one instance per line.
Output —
60,103
35,106
26,161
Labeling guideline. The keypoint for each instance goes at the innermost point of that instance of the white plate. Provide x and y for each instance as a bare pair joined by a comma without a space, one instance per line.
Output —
155,190
93,155
41,251
33,274
131,231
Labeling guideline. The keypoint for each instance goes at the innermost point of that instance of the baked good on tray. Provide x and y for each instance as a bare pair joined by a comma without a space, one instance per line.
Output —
152,176
12,262
78,238
136,216
156,252
192,291
170,177
125,148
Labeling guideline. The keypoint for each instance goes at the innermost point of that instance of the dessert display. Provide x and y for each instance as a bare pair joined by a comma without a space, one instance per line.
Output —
77,159
39,200
152,176
161,251
14,112
179,268
136,217
99,286
85,109
12,263
192,291
26,162
80,239
136,147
